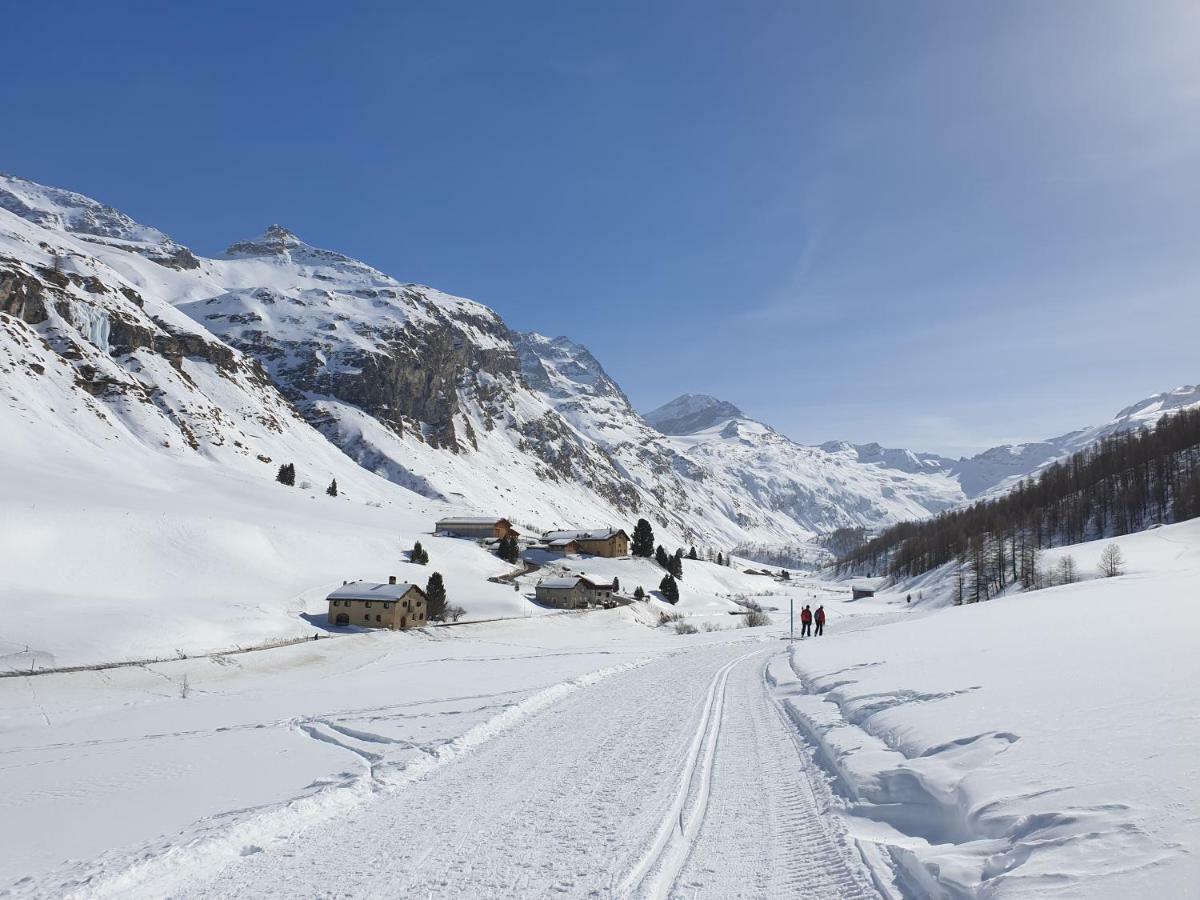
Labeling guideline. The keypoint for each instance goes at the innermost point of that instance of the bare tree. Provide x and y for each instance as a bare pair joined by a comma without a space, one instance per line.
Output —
1112,562
1065,572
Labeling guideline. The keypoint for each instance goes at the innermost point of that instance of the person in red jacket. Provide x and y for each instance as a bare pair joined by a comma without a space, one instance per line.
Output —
819,618
805,621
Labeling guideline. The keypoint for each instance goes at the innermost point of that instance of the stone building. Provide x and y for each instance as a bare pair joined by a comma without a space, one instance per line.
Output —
596,542
574,592
370,605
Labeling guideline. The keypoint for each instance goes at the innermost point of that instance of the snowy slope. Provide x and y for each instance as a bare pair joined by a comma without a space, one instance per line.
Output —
1036,744
689,413
760,474
1000,468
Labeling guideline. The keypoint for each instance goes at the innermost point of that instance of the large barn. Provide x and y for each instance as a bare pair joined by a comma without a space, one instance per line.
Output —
477,527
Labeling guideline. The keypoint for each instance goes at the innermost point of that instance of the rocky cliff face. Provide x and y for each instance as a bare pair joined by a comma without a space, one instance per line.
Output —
113,331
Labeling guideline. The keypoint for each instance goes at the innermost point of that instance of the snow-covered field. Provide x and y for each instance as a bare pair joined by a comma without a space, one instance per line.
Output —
1038,744
1042,743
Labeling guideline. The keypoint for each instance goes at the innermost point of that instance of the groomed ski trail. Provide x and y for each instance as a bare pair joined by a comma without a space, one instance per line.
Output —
675,779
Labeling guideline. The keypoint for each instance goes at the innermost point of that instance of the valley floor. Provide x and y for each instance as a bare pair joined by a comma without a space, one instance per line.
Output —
1036,745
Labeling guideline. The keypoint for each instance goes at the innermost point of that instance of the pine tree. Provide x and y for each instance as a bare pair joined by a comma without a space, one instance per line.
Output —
720,558
677,564
418,555
692,554
616,585
638,593
508,549
435,597
669,589
643,539
785,574
660,557
287,474
332,490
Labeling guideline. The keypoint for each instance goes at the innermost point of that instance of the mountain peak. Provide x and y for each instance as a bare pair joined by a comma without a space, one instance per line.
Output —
689,413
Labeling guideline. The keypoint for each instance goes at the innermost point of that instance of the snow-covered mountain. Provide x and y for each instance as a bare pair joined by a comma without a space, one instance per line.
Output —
820,488
691,413
124,350
870,483
999,468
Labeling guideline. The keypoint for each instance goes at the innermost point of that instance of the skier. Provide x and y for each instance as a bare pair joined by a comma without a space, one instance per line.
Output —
806,621
819,618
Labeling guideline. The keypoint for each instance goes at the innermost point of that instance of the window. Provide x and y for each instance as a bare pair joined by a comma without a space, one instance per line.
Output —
378,618
387,605
335,602
368,604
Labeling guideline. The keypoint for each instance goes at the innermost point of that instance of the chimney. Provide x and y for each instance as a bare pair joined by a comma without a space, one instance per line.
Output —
391,579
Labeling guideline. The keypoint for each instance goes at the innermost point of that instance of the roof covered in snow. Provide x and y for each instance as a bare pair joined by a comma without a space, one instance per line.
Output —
599,534
471,520
368,590
566,582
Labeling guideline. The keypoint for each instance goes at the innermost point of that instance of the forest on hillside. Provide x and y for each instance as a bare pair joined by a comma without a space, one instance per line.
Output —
1125,483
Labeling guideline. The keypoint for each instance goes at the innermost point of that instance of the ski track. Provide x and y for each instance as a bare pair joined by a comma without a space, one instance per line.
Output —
679,778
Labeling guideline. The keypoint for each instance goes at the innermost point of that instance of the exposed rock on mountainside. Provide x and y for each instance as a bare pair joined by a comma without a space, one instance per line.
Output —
280,347
690,413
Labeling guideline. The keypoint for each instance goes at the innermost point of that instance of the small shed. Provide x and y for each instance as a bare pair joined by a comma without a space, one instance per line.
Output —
861,593
371,605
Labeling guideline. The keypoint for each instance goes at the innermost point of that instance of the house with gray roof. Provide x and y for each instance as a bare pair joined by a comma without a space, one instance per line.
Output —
370,605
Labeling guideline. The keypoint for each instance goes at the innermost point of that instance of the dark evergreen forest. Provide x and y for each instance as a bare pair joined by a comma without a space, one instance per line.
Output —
1125,483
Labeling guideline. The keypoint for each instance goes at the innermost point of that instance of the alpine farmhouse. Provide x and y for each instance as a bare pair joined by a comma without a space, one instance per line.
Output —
596,542
370,605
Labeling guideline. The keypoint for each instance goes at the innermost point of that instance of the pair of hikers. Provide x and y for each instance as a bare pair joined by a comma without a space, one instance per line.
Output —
808,618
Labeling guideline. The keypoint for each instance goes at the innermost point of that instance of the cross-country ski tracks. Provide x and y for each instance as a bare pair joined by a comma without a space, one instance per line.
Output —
576,802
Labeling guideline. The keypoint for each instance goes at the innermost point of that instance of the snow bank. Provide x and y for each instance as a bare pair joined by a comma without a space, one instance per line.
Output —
1041,742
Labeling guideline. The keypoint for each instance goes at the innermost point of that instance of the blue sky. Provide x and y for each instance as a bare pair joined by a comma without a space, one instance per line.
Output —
935,225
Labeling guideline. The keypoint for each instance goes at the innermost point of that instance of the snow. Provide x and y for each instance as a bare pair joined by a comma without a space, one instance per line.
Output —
1034,744
366,590
1037,743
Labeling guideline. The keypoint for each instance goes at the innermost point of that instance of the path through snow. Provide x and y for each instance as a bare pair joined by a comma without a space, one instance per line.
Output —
677,778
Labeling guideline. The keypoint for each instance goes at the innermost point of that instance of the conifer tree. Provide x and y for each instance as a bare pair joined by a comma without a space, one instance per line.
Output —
332,490
669,589
435,597
660,557
677,564
616,584
419,554
643,539
692,554
508,549
720,558
287,474
638,593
